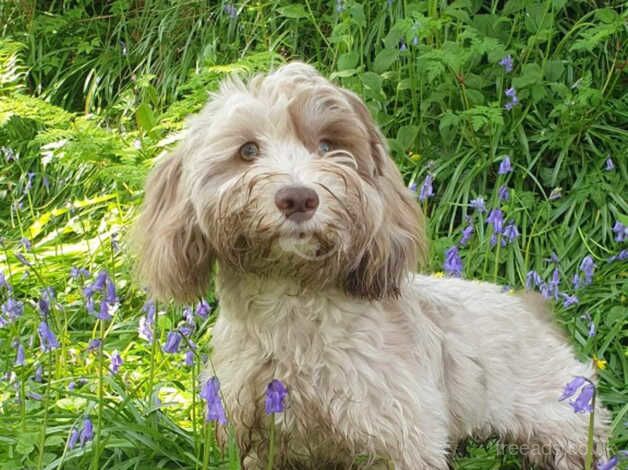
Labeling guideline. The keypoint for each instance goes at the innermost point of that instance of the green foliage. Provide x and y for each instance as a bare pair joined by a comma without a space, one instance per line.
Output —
91,92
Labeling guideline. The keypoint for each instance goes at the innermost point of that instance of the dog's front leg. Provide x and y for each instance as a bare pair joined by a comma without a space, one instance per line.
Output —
410,436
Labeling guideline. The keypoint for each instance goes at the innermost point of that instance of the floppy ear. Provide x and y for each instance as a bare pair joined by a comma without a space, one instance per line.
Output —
399,244
174,257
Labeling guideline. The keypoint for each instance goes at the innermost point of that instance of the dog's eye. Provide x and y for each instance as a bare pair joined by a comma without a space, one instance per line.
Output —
249,151
324,146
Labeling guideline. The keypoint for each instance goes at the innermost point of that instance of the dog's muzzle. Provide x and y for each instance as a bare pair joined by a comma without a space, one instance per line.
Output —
297,203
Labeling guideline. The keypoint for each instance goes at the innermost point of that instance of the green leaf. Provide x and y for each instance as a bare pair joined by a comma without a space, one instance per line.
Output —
294,11
554,70
448,125
26,442
349,60
372,81
530,74
145,117
407,135
385,59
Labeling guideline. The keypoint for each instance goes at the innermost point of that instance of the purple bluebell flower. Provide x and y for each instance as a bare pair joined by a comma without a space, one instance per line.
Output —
610,166
453,263
115,363
150,309
402,45
12,308
591,331
173,342
572,387
276,393
110,292
587,267
210,392
103,311
231,11
514,99
412,186
203,309
186,329
29,182
510,232
506,63
189,358
503,193
72,386
466,235
550,289
39,374
188,315
94,345
426,189
20,257
4,284
496,219
478,204
87,433
505,166
77,273
100,281
621,256
608,465
621,231
576,281
47,337
569,300
44,307
26,243
20,356
34,396
145,329
582,404
74,437
533,279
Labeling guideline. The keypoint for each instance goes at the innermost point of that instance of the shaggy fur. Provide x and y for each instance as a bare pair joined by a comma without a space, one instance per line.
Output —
381,364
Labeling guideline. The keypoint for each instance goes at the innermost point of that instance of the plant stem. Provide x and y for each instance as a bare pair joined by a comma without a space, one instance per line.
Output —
271,444
589,458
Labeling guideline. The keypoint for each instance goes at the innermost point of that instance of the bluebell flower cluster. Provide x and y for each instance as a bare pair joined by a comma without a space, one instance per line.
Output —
214,410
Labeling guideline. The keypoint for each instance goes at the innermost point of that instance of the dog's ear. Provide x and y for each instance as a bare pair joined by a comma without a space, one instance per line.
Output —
399,243
174,259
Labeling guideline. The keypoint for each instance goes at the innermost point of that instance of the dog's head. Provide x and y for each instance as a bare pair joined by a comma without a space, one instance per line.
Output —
286,176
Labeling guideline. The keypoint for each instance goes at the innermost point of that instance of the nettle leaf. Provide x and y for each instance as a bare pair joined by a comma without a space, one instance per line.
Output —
384,60
294,11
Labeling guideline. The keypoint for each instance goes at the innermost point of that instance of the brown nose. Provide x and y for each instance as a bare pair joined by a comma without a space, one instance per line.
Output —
297,203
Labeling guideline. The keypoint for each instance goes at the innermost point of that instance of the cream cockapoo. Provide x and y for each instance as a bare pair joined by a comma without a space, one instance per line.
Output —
285,184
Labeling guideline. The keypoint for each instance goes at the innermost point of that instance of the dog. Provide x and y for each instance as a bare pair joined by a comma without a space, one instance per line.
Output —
283,192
